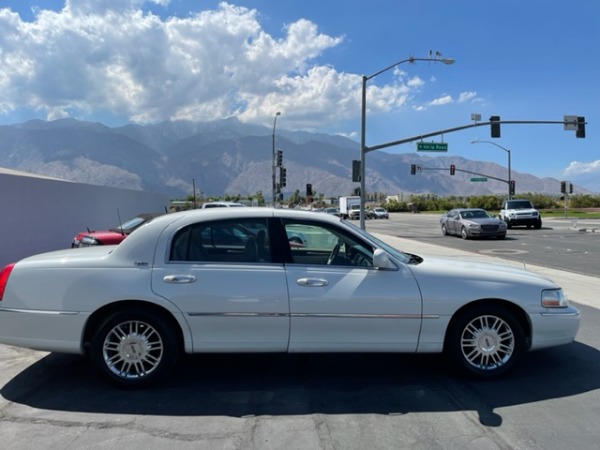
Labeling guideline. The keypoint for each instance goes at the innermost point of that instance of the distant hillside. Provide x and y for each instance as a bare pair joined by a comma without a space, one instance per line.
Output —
231,157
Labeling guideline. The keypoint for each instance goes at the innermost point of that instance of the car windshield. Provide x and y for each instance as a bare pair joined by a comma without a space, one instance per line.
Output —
519,204
478,214
401,256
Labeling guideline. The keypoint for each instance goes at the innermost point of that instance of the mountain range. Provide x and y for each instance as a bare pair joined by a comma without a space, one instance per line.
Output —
230,157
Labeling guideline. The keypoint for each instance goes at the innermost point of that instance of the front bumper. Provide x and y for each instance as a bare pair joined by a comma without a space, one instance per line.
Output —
554,327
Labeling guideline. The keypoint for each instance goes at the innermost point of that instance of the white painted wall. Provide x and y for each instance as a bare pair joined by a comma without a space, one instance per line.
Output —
42,214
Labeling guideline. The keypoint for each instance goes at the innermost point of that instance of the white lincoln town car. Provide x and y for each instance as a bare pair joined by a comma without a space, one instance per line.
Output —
235,280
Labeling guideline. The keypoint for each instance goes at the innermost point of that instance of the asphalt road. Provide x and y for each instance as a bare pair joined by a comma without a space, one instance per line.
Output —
560,244
322,401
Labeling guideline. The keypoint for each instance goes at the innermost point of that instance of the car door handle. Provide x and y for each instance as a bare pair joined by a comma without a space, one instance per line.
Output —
179,279
312,282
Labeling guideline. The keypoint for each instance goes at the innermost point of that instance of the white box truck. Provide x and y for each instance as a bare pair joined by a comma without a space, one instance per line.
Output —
350,207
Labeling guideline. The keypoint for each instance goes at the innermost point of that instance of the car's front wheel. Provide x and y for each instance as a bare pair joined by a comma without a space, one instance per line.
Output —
444,230
134,348
464,233
485,341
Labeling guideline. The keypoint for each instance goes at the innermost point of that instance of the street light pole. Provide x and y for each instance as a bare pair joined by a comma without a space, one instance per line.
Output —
508,153
363,124
273,158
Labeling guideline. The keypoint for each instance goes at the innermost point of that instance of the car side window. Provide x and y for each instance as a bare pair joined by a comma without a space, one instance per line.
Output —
318,244
226,241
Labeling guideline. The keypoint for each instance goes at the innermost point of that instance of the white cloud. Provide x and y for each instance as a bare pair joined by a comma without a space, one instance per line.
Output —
583,168
466,96
443,100
110,56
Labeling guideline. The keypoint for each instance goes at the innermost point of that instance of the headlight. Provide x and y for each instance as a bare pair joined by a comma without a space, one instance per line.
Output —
88,241
554,298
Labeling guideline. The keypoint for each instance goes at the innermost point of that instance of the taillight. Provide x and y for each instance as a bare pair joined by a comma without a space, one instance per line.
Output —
4,278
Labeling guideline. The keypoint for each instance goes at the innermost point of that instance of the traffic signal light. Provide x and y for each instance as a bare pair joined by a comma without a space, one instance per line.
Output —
413,169
452,169
309,191
563,187
512,187
279,158
356,170
580,132
283,176
495,124
570,187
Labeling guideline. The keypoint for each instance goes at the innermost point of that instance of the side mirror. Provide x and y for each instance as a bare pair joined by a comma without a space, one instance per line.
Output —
381,260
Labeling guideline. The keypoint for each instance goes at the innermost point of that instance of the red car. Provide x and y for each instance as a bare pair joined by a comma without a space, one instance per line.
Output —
113,236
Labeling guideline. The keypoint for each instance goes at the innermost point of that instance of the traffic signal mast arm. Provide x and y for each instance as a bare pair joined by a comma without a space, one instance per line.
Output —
420,168
464,127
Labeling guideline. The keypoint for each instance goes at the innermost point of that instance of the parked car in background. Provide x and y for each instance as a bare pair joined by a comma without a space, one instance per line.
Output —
181,284
471,223
114,235
331,210
378,213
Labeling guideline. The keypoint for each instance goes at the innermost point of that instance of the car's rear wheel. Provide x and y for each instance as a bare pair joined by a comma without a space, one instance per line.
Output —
485,341
133,348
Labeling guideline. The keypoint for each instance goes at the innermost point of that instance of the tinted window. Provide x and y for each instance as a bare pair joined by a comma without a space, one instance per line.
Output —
222,241
312,243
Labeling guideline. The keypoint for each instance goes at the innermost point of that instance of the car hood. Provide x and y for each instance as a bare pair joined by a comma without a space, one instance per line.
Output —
490,221
451,273
102,234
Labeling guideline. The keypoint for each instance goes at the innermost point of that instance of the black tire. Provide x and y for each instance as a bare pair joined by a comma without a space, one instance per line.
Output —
444,230
464,233
134,348
500,236
485,341
538,224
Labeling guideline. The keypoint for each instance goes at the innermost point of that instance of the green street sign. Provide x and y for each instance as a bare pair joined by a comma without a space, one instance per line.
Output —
479,179
432,147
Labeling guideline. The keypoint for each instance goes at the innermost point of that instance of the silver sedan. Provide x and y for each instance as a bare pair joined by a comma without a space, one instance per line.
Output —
472,222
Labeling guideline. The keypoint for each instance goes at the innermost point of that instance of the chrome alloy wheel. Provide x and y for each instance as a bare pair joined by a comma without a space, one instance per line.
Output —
487,342
132,349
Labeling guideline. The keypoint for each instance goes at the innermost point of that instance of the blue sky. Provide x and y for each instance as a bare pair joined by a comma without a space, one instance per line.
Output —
136,61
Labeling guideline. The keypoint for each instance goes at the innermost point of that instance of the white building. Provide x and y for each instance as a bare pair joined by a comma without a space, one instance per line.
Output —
40,214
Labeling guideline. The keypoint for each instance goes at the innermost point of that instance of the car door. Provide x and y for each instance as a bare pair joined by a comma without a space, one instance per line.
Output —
451,222
340,302
230,293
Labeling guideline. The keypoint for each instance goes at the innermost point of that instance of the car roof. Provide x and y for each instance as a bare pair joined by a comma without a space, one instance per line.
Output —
469,209
225,204
136,248
196,215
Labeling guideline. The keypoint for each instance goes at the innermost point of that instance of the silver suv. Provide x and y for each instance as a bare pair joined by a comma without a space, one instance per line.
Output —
520,212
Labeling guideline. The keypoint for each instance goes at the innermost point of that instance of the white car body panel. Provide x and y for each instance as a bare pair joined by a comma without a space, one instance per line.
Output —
353,309
230,307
